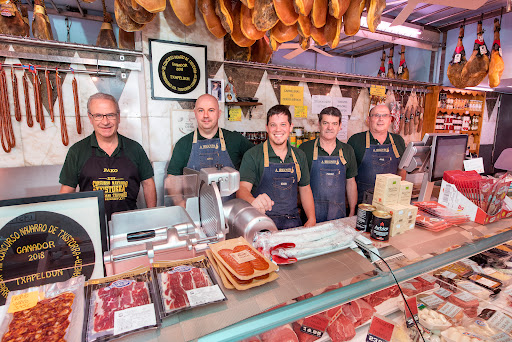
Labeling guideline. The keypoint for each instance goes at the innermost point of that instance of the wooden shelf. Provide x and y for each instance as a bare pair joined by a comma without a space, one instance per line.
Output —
243,104
458,111
454,131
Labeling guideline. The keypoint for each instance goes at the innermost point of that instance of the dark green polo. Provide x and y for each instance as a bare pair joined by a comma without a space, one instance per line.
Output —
80,152
358,143
236,145
348,153
252,166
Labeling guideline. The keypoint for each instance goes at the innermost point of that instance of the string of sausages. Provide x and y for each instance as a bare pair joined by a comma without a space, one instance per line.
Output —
15,95
38,100
28,110
77,105
63,127
6,131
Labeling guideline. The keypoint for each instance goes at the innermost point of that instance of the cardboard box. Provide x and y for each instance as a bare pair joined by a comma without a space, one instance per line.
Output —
399,217
387,188
405,193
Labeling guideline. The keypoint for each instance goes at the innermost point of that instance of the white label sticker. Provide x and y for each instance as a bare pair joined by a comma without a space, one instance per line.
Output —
470,287
501,337
488,271
432,300
448,274
483,49
134,318
501,54
449,310
243,256
457,58
487,282
477,268
428,278
400,69
465,296
444,293
501,321
407,285
204,295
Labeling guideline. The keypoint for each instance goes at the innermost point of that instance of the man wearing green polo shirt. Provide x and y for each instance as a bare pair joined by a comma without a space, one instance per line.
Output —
207,145
272,175
332,166
377,150
108,161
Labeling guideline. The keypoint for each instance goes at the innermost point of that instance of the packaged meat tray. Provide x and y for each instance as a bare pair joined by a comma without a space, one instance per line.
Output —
241,259
120,305
184,284
52,312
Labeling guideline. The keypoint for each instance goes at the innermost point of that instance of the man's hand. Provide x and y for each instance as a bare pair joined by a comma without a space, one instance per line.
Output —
310,223
263,203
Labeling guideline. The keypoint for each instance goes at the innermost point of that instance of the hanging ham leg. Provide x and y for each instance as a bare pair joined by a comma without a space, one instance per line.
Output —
403,72
15,95
496,65
477,66
63,128
40,23
382,69
77,106
391,68
422,112
28,110
11,20
457,63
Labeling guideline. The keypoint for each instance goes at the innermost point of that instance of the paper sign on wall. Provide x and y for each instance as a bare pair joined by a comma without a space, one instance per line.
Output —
476,164
292,95
344,104
343,133
320,102
235,114
377,90
301,111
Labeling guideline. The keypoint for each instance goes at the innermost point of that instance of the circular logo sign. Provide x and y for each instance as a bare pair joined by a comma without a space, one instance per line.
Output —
179,72
43,247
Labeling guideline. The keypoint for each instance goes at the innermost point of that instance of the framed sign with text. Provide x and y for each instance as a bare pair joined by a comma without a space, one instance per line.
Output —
178,70
49,239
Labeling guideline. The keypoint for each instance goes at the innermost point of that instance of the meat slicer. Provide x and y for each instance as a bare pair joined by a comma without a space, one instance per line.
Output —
183,230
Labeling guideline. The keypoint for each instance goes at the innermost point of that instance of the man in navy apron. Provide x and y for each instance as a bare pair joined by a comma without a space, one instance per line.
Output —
273,173
377,150
108,161
333,167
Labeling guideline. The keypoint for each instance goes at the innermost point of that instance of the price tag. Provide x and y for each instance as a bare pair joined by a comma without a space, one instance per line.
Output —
483,49
432,301
465,296
24,301
413,304
469,287
450,310
428,278
380,330
134,318
407,285
400,69
243,256
301,111
501,337
378,90
499,51
501,321
235,114
457,58
448,274
204,295
315,325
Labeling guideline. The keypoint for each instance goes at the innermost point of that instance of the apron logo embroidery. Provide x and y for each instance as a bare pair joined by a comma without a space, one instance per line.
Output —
333,162
381,150
110,170
208,146
287,170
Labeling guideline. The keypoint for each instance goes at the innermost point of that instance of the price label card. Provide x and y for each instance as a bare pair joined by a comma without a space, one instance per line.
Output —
380,330
235,114
465,296
432,301
450,310
448,274
501,337
476,164
470,287
501,321
134,318
378,90
292,95
315,325
400,69
204,295
457,58
301,111
243,256
24,301
428,278
483,49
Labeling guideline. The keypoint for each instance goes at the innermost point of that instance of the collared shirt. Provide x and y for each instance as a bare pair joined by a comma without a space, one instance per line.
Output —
236,145
81,151
348,153
358,143
252,166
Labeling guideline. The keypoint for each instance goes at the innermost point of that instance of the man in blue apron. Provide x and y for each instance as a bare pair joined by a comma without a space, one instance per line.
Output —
108,161
273,173
333,167
377,150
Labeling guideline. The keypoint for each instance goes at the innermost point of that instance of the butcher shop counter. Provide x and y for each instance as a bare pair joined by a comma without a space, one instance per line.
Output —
245,313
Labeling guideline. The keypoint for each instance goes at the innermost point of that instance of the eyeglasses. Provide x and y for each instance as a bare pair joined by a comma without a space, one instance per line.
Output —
380,115
99,117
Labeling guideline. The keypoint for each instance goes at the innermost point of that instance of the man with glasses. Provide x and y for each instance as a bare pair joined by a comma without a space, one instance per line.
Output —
108,161
377,150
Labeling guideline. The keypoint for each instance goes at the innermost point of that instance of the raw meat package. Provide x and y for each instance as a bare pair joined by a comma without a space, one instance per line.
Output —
281,334
57,316
175,279
120,305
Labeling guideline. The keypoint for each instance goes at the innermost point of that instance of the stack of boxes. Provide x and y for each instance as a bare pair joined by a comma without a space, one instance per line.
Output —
393,195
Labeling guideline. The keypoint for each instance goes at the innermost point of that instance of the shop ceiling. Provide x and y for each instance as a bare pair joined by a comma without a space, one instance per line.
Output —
429,18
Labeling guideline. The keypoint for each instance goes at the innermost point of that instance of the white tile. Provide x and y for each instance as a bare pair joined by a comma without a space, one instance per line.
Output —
131,128
160,144
129,101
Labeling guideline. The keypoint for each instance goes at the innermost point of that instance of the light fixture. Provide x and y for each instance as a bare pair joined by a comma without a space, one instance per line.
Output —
479,88
398,29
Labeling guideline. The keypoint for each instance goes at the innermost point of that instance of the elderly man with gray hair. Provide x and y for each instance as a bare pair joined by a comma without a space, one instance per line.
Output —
108,161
